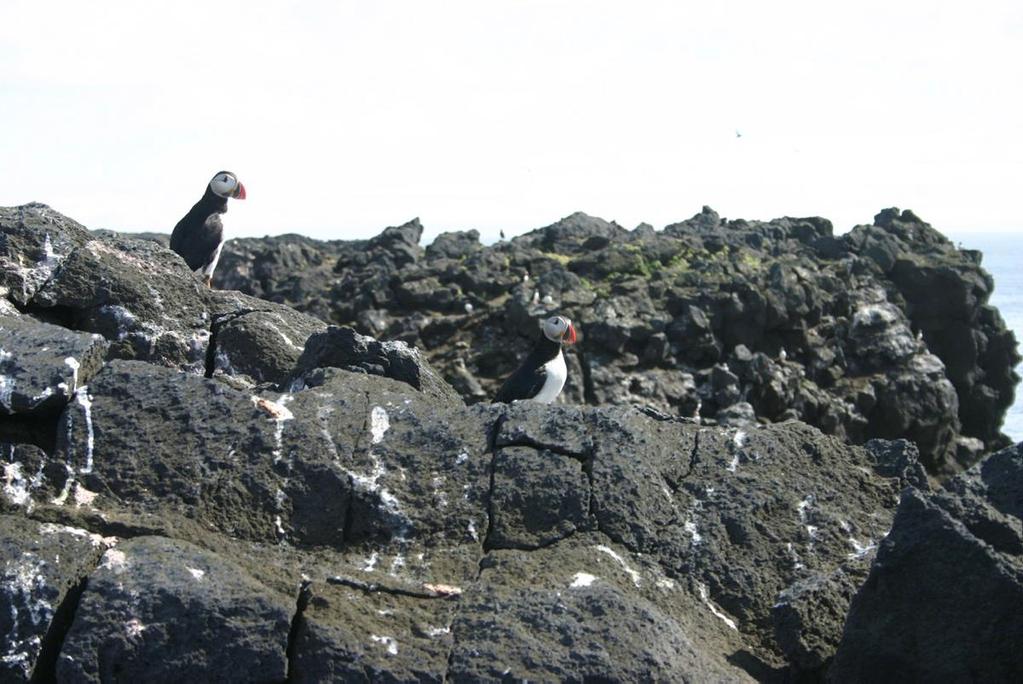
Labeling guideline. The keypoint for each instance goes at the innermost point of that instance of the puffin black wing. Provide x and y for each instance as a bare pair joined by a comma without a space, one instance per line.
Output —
197,240
525,383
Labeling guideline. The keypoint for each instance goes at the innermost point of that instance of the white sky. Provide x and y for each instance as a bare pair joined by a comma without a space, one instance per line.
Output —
342,118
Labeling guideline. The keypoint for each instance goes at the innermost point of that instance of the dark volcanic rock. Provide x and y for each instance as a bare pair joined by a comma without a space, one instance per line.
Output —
42,365
257,339
850,334
539,497
138,295
945,291
160,610
585,610
324,505
355,634
305,467
346,349
943,596
42,567
34,241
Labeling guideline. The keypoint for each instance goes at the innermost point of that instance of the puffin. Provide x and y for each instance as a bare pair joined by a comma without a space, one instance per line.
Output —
543,372
199,236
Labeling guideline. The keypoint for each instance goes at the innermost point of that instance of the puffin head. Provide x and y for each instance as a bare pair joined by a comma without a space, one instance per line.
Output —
225,184
559,329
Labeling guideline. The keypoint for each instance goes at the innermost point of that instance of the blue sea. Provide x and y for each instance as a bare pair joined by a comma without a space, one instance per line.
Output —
1003,258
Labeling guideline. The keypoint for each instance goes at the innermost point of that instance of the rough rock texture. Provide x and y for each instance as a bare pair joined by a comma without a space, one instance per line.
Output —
41,566
322,505
942,602
51,363
255,338
161,609
34,241
882,332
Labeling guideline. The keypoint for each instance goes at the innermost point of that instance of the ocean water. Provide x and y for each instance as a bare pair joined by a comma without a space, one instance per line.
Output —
1003,259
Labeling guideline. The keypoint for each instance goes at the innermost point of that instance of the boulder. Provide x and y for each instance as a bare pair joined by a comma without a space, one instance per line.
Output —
34,241
138,295
43,567
346,349
942,599
163,609
43,365
256,339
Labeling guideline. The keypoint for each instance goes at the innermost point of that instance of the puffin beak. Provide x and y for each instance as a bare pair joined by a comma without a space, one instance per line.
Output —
569,337
239,192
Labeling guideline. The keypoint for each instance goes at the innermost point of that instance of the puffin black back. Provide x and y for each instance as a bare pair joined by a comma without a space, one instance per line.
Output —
530,376
195,236
199,236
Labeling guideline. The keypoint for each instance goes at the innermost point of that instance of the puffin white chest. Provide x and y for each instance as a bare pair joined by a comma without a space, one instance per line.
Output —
209,268
557,372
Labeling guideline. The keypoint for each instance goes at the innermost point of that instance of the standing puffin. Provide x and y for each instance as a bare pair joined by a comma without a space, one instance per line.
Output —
542,374
199,236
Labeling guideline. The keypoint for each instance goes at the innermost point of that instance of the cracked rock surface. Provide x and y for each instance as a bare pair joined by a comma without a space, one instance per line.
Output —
324,506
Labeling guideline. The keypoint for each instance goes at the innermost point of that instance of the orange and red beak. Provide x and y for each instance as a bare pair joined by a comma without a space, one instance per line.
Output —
239,192
569,336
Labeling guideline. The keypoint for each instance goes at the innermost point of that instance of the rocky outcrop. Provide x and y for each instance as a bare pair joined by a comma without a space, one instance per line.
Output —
222,487
882,332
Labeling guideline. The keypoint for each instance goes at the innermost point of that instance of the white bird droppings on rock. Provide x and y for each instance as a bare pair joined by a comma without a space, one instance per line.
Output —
84,497
371,562
690,527
389,642
621,561
582,579
96,540
278,410
860,550
114,560
16,485
379,423
134,628
705,596
73,364
68,483
196,573
85,401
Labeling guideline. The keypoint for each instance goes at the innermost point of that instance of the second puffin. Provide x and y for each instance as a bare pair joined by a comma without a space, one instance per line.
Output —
543,372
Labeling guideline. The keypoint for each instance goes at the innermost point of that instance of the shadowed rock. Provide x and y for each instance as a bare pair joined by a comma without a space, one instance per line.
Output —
160,609
942,599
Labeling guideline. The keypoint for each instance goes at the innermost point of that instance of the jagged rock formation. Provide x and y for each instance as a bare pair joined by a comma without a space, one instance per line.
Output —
883,332
204,484
954,552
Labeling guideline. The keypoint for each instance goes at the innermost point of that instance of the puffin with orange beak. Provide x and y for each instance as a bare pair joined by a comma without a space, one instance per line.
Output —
543,372
199,236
